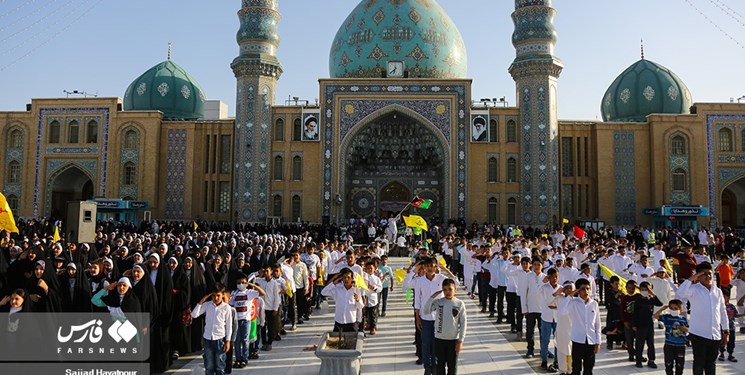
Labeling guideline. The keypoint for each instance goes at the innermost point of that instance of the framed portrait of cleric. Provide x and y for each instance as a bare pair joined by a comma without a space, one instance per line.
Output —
479,127
311,127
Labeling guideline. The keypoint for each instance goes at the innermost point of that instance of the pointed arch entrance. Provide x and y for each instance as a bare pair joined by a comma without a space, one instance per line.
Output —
733,204
388,158
71,184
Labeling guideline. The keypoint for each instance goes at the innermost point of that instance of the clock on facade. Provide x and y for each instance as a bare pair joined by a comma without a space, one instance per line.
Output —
395,69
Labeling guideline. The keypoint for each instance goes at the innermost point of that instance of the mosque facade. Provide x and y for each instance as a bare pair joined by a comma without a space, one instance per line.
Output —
395,119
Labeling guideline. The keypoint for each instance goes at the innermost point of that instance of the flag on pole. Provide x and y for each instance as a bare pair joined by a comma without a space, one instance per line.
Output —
416,221
7,221
55,237
565,221
421,203
359,281
195,225
609,273
578,232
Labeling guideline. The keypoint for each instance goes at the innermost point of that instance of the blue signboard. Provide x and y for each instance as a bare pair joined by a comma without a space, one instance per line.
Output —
685,211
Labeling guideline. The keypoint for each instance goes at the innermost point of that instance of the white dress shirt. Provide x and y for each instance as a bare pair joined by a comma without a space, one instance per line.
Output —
708,312
547,293
374,286
531,297
585,317
345,311
218,321
425,288
272,288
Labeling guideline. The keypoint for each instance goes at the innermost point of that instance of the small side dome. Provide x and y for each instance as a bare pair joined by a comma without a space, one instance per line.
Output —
642,89
168,88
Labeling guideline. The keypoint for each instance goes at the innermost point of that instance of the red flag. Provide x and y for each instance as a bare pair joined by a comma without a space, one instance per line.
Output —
578,232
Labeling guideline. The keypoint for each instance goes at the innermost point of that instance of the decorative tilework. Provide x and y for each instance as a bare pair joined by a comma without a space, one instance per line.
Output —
731,158
729,175
715,183
437,111
679,162
329,110
129,155
50,113
625,176
175,174
72,150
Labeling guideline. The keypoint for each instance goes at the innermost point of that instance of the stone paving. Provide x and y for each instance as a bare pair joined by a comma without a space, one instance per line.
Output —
488,349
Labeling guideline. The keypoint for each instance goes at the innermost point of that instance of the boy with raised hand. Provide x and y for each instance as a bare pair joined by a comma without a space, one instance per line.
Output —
450,326
347,299
644,325
374,286
584,313
676,327
242,299
218,326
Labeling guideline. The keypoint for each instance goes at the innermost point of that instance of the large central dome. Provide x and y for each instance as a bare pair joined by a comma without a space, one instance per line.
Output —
417,32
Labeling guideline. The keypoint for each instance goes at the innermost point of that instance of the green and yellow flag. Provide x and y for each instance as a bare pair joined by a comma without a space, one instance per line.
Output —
416,221
7,221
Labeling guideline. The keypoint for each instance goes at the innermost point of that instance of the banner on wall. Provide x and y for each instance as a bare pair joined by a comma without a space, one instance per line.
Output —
479,126
311,125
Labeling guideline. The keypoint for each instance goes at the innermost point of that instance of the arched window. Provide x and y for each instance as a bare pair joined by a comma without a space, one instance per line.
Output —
680,180
297,168
91,132
493,210
512,211
14,172
130,173
297,130
725,140
678,145
511,131
493,170
15,139
73,131
278,166
131,140
54,131
297,208
279,130
277,205
493,131
13,202
511,170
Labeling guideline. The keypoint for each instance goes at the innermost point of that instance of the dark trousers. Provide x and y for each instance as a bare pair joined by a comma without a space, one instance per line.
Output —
269,330
370,316
532,319
492,298
583,358
518,314
705,354
445,355
384,299
510,296
629,334
483,291
344,327
501,291
730,344
301,301
644,335
417,338
675,357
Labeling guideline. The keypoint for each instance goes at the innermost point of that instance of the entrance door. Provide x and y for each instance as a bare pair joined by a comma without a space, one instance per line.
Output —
70,185
393,198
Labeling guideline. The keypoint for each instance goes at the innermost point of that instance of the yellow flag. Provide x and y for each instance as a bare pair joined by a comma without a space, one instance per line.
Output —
565,221
400,275
609,273
359,281
55,236
195,225
7,221
416,221
442,261
288,289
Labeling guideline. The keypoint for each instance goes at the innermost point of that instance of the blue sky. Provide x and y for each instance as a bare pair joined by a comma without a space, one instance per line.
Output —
100,46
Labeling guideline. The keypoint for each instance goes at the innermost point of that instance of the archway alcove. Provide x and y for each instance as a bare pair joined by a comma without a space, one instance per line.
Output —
733,204
72,184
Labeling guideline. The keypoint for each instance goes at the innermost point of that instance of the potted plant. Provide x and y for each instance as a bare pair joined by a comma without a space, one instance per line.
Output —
340,353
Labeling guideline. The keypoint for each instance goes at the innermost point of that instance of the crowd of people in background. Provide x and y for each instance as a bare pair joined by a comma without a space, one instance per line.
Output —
203,285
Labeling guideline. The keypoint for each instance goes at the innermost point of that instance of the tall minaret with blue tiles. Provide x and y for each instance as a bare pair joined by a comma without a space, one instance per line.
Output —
536,72
257,70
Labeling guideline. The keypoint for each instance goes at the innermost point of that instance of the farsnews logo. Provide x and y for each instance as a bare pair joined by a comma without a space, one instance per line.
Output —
92,332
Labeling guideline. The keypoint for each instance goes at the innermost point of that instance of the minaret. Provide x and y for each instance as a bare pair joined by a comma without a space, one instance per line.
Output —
257,70
536,71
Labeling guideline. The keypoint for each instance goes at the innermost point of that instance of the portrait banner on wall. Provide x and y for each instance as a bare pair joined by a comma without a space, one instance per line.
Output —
311,126
479,126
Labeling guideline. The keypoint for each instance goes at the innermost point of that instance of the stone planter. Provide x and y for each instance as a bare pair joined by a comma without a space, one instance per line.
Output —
340,361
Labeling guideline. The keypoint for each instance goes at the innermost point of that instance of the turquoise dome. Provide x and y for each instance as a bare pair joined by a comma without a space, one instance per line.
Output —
168,88
417,32
642,89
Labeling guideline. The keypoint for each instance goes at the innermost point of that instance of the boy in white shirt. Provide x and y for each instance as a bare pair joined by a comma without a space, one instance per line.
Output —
374,286
347,298
218,326
242,299
585,333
